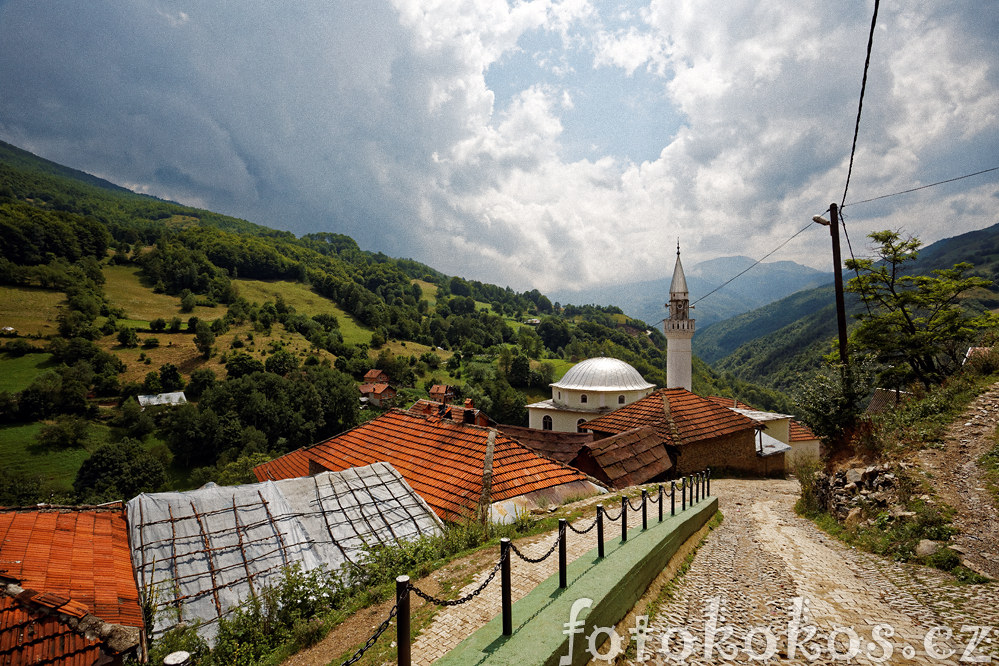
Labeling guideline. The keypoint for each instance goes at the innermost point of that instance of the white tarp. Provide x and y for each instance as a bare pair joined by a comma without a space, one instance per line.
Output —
200,553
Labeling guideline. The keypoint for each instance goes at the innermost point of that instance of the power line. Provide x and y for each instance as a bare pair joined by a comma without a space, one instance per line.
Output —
923,187
860,107
754,265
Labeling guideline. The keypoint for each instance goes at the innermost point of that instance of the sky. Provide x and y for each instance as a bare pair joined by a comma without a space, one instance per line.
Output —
549,144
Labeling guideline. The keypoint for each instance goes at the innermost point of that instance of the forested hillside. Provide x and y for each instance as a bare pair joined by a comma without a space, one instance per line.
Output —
773,344
111,295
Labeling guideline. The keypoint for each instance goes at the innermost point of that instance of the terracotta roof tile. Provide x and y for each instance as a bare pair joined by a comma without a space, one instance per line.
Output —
695,418
442,460
626,459
799,432
72,560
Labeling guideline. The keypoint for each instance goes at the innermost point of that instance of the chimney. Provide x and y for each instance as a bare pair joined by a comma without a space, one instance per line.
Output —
468,416
468,404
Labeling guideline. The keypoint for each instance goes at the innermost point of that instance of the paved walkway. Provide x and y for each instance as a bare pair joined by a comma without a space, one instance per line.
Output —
455,623
763,557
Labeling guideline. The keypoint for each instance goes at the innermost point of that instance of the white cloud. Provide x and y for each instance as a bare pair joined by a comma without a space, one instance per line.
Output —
376,119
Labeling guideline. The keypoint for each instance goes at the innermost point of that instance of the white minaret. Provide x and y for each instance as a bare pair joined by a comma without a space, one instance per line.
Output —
679,329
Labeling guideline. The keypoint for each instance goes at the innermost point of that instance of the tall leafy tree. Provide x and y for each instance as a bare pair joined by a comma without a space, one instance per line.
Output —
915,325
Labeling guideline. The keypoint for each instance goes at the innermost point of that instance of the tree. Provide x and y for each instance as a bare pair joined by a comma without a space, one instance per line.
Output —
158,325
170,378
204,339
281,362
241,364
127,337
119,470
913,324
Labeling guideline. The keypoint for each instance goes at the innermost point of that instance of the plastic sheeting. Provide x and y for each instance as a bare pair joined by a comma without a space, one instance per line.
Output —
199,554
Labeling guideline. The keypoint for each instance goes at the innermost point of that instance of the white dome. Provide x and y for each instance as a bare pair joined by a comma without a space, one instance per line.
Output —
602,374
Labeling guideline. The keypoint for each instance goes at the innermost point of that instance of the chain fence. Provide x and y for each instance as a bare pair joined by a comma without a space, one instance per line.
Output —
404,587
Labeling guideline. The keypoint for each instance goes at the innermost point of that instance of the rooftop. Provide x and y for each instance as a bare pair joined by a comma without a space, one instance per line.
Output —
602,374
71,562
442,460
626,459
695,418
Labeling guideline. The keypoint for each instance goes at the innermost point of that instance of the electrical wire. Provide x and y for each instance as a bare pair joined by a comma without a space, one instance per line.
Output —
754,265
860,107
922,187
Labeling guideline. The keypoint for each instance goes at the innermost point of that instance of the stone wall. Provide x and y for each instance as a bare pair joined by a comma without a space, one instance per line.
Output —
733,452
846,493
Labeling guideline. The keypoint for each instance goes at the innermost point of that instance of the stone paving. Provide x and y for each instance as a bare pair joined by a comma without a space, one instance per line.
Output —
765,566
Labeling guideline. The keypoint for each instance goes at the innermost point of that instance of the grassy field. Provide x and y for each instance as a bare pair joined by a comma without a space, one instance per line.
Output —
429,291
56,468
17,373
124,289
30,310
305,301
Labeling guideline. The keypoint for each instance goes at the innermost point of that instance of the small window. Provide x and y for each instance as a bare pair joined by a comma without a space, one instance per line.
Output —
620,400
579,425
546,423
559,395
582,398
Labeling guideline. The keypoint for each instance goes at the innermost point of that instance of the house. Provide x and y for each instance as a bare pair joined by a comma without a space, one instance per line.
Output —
589,389
377,394
67,591
376,376
441,393
466,413
169,399
461,470
627,459
800,442
198,554
696,432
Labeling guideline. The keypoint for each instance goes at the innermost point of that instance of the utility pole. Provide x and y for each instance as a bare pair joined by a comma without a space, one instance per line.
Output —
833,224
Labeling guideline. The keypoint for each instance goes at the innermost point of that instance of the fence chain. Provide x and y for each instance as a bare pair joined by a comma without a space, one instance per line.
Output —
632,506
468,597
654,497
592,525
374,637
608,516
539,559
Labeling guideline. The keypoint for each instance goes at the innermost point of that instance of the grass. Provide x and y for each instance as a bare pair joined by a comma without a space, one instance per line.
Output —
55,468
16,373
429,291
124,288
30,310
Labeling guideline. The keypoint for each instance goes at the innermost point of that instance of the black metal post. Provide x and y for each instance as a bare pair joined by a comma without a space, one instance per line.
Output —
672,498
561,552
708,487
624,519
660,502
697,487
645,513
690,486
505,585
683,494
402,637
600,531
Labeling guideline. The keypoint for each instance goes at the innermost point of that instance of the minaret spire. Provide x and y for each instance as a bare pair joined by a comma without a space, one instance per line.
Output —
679,329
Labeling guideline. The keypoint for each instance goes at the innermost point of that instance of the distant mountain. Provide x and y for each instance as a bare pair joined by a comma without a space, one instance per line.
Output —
772,344
760,285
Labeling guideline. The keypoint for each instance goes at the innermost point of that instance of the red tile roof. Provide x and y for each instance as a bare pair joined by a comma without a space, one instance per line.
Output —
453,412
442,460
374,389
560,446
373,376
71,562
798,432
695,418
626,459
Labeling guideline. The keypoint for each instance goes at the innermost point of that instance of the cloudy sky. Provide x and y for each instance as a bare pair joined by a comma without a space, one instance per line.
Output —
547,143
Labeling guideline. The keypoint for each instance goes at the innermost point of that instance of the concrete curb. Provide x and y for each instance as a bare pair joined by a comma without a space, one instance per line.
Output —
613,584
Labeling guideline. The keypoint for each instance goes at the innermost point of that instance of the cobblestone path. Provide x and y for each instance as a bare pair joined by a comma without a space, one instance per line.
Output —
765,566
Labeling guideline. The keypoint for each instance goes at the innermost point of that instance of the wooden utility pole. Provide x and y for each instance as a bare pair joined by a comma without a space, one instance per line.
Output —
833,224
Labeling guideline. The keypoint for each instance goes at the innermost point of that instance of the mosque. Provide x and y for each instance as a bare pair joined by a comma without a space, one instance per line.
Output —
598,386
